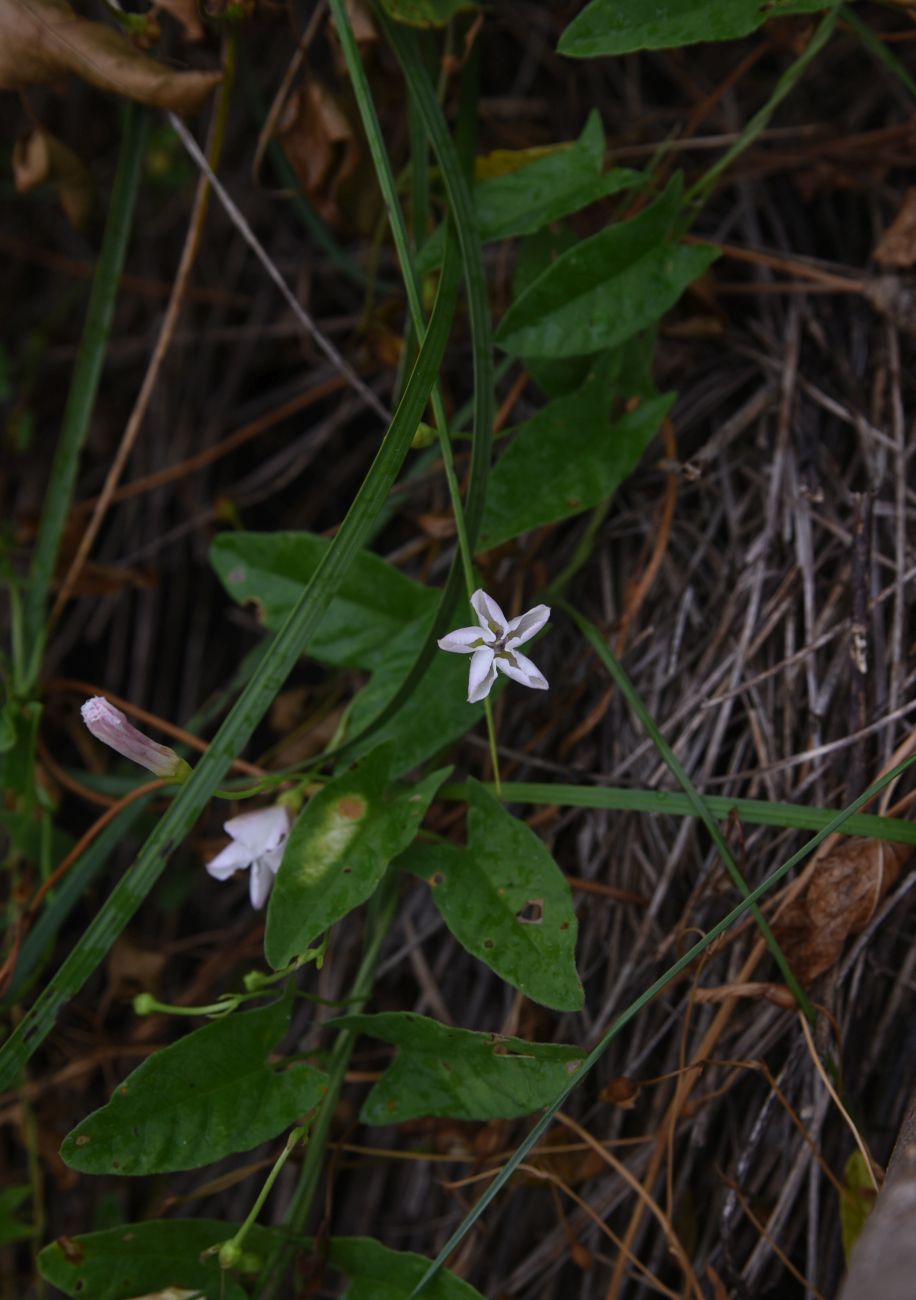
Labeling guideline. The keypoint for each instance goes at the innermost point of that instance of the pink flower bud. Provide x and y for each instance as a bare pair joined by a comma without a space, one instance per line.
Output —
110,725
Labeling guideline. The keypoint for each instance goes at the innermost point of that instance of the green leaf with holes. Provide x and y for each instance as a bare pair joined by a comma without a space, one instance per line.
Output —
542,191
506,900
212,1093
338,850
140,1259
458,1074
425,13
377,1272
605,289
373,607
622,26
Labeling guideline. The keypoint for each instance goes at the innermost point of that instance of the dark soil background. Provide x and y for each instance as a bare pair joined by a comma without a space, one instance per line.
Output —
730,572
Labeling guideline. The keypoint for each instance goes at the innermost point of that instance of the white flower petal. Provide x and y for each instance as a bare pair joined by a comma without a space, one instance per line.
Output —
261,830
234,857
488,612
260,882
274,858
482,674
520,668
524,627
465,640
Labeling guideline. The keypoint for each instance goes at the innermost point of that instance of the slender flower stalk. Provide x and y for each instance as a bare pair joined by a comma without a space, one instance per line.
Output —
111,726
493,646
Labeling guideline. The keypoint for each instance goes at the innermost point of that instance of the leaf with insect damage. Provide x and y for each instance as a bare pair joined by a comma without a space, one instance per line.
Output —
506,900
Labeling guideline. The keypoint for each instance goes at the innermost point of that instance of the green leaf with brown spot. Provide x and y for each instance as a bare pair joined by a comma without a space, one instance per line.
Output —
459,1074
212,1093
506,900
338,850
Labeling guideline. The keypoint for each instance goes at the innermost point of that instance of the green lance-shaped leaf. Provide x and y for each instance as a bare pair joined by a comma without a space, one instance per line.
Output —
377,1272
568,457
540,192
338,850
506,900
208,1095
459,1074
373,606
620,26
141,1259
432,717
607,288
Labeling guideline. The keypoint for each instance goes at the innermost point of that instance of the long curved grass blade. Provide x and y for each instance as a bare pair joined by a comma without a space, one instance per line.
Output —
252,704
537,1132
464,221
87,372
756,812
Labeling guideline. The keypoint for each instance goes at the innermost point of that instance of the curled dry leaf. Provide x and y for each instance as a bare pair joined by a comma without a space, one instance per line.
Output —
43,41
621,1092
319,142
841,899
39,156
897,246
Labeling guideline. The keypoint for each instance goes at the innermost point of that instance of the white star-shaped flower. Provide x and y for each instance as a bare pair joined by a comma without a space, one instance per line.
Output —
493,646
258,840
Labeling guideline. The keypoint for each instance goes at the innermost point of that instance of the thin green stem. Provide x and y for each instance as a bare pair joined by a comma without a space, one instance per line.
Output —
494,752
381,912
229,1251
84,385
679,772
540,1128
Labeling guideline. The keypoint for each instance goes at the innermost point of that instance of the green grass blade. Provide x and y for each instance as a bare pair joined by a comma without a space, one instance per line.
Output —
700,190
835,824
756,812
464,220
679,772
253,702
84,385
876,47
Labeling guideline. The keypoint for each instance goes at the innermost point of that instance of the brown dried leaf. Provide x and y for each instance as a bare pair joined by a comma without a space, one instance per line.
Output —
841,899
43,41
320,144
361,22
897,246
621,1092
39,156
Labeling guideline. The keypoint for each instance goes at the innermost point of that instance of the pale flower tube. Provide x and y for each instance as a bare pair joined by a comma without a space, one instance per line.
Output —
111,726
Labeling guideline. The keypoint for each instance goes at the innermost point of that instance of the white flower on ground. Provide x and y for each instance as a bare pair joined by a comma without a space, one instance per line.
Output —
493,646
110,725
258,840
